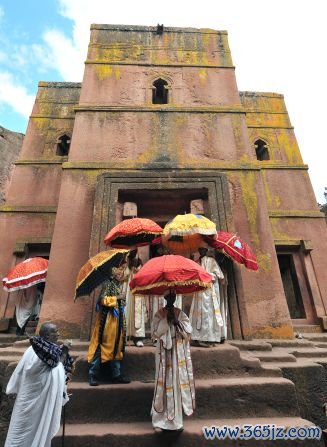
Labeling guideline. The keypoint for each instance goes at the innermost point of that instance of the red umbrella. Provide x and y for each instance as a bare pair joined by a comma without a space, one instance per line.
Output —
134,232
26,274
234,247
170,272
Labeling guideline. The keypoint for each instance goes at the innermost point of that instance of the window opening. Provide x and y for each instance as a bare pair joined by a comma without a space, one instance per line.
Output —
261,150
160,92
63,145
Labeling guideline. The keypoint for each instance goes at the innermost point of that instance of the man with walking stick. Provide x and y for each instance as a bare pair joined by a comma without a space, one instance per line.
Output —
39,381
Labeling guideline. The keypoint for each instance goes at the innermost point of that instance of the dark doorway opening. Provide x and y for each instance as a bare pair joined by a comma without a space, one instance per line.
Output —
291,286
162,205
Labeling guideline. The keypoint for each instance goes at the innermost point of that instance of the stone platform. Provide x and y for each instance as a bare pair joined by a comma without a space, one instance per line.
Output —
266,382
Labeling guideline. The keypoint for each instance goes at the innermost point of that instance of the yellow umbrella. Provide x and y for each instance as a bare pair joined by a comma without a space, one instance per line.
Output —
184,232
183,244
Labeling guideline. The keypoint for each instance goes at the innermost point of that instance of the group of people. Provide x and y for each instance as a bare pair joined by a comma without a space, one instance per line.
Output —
40,377
121,314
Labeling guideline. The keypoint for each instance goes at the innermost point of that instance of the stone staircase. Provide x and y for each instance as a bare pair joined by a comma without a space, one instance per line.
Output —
237,383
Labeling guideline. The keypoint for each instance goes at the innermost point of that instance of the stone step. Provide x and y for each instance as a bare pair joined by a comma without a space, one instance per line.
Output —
281,343
320,344
77,345
18,351
231,397
141,434
311,352
252,345
306,328
223,360
301,364
314,337
6,339
320,360
277,355
139,363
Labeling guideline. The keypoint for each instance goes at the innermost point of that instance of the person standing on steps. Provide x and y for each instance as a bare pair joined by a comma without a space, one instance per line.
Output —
28,306
174,384
107,344
205,315
39,381
136,312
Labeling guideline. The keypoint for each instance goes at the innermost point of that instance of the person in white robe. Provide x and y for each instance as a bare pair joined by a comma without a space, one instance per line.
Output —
174,384
205,313
158,302
223,288
26,307
41,394
135,312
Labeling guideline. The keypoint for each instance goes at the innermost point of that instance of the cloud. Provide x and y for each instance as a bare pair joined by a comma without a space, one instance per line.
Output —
274,48
64,56
15,95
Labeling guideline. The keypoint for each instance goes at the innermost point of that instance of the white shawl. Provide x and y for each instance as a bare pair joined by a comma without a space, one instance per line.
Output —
41,393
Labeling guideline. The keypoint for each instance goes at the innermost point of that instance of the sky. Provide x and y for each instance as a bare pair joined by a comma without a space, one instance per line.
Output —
277,46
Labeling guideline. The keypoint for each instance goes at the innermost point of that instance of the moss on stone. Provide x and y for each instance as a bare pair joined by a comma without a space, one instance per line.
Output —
248,180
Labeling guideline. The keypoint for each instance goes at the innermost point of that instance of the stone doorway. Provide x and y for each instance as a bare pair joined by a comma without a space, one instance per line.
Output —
296,287
160,196
164,204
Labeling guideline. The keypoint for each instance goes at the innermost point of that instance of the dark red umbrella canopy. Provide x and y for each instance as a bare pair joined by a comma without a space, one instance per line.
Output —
135,232
234,247
170,272
26,274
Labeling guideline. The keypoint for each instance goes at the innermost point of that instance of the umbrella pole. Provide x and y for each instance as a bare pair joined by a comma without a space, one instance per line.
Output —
63,425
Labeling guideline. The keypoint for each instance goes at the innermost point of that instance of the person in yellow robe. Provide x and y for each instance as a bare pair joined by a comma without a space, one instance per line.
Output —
108,338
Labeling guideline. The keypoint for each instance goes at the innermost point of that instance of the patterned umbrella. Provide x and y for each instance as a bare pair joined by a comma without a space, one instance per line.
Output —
134,232
26,274
97,270
170,272
234,247
185,232
183,244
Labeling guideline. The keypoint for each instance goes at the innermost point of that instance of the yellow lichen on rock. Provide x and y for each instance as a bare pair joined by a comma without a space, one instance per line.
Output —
248,180
103,71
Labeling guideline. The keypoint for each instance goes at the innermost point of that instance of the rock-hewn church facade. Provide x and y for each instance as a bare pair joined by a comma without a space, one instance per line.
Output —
158,121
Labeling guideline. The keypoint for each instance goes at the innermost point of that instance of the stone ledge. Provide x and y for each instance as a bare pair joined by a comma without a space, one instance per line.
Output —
296,214
154,64
160,108
42,162
192,166
28,209
60,84
147,29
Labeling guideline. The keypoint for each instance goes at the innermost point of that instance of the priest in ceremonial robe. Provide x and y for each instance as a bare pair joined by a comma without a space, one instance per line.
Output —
205,313
174,386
